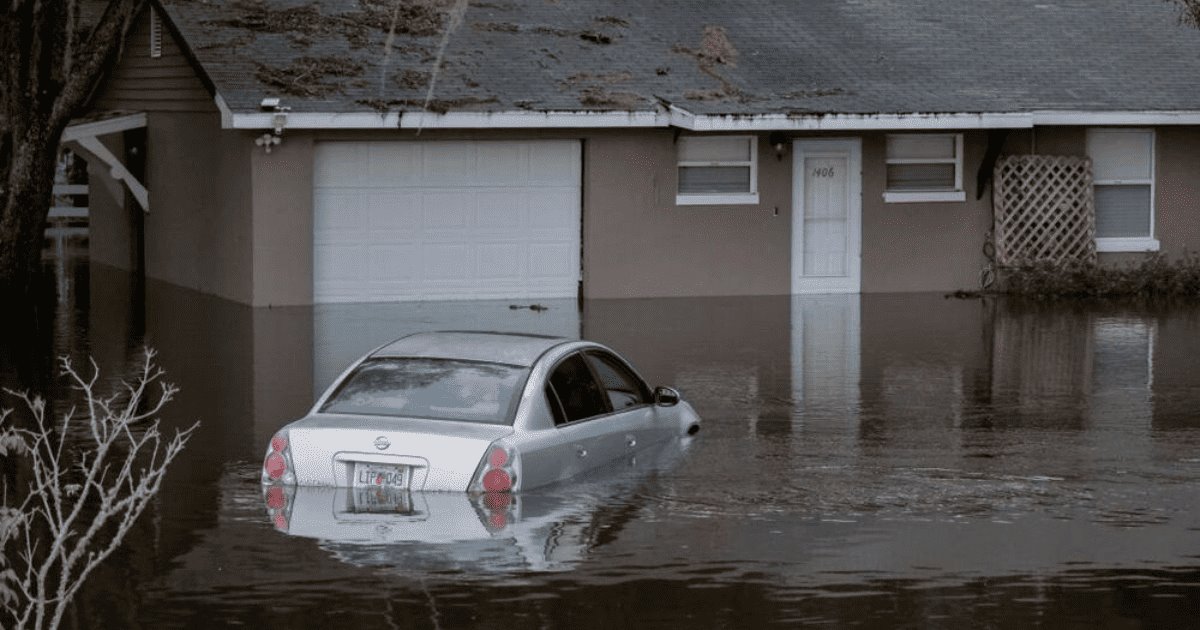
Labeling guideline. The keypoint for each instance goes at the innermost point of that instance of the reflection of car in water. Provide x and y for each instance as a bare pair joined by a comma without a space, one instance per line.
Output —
477,412
543,530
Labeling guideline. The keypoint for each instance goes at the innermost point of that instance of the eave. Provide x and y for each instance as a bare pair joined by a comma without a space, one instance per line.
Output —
674,116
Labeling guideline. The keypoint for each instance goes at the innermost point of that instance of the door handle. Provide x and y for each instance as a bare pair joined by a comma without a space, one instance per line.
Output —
630,441
580,451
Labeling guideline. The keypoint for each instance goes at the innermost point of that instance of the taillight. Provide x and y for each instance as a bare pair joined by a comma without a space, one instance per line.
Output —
497,471
279,505
497,480
276,499
277,465
496,505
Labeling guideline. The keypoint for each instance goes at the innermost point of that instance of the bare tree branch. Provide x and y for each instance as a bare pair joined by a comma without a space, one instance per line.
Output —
89,486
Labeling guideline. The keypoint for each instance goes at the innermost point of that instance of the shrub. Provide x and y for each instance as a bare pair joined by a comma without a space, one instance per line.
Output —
91,475
1154,277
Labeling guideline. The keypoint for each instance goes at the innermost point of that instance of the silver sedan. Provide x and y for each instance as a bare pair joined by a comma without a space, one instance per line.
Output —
476,412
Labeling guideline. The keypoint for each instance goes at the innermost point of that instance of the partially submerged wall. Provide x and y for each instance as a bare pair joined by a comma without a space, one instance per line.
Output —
197,232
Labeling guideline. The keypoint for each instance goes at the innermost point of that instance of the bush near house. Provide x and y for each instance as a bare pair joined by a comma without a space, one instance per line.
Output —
1153,277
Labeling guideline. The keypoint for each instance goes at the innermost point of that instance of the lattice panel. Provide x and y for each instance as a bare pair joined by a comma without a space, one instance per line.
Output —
1045,209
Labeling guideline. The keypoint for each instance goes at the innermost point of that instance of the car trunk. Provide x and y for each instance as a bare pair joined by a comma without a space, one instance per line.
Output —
417,454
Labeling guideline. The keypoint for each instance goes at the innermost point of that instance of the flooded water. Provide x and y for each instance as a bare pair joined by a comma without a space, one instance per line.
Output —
876,461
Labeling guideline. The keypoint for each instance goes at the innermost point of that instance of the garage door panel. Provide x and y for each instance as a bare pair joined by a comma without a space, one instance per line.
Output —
552,260
501,261
394,164
385,211
414,220
501,163
338,262
447,163
447,261
342,218
554,163
447,209
400,261
500,209
544,208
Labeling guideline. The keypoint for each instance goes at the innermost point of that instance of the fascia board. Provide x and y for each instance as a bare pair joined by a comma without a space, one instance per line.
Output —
677,117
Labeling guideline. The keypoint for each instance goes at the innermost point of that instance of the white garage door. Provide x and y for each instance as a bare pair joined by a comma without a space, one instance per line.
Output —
445,220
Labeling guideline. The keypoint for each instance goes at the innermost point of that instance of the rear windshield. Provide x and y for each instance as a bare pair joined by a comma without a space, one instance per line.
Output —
438,389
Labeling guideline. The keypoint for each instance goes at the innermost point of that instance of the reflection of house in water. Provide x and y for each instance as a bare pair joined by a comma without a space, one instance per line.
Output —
1041,365
950,364
732,354
825,356
1176,369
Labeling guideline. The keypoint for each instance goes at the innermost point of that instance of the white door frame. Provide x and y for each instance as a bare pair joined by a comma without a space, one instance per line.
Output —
851,149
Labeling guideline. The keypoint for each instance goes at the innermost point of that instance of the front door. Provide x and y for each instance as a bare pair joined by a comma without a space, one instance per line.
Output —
827,218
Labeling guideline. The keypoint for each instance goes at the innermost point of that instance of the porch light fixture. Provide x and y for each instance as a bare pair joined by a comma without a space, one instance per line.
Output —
278,122
778,141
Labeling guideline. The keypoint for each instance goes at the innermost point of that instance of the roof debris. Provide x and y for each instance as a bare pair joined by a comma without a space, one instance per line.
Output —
595,37
307,76
715,50
305,24
599,97
607,78
612,20
412,79
437,106
495,27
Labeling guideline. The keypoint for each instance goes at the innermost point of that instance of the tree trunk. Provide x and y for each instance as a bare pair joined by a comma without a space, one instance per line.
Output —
48,74
24,206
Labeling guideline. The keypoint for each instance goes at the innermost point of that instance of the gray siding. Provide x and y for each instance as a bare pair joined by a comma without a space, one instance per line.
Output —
164,84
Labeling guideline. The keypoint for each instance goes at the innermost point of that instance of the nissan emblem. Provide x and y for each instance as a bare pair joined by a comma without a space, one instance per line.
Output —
382,443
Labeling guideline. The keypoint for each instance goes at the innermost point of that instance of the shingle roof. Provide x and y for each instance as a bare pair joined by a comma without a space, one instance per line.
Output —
710,57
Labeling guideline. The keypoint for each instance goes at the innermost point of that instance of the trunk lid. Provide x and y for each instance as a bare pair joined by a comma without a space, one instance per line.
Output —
432,455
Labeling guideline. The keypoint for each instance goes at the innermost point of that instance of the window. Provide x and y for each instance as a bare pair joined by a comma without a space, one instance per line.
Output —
576,391
1123,173
623,388
438,389
717,170
924,167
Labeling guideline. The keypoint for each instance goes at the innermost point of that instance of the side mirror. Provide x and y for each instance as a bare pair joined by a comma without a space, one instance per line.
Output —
665,396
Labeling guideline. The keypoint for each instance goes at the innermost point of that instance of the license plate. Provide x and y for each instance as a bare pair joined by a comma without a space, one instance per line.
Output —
380,500
370,475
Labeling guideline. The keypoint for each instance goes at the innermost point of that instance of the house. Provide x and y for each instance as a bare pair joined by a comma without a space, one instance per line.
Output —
298,151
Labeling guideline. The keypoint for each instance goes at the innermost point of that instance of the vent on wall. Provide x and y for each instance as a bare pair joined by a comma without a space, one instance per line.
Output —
155,35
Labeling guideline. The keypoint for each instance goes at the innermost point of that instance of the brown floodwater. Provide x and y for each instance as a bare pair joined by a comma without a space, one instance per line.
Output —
877,461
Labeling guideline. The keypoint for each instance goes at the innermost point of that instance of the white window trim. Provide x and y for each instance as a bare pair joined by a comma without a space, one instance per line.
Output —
913,196
1127,244
1131,243
717,199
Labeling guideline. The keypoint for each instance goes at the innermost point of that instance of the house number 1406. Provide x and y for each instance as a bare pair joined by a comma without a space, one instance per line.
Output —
823,171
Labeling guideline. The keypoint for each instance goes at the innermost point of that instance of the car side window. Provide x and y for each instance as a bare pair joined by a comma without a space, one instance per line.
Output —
555,405
577,391
623,387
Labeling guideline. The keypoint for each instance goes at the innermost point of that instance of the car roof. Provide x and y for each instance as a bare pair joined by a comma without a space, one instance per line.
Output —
493,347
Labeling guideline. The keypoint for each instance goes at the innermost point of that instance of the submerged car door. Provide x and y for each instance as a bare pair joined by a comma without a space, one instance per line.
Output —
630,398
588,432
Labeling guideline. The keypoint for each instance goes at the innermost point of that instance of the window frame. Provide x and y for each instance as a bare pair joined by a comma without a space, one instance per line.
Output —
643,389
1148,243
911,196
713,199
549,387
